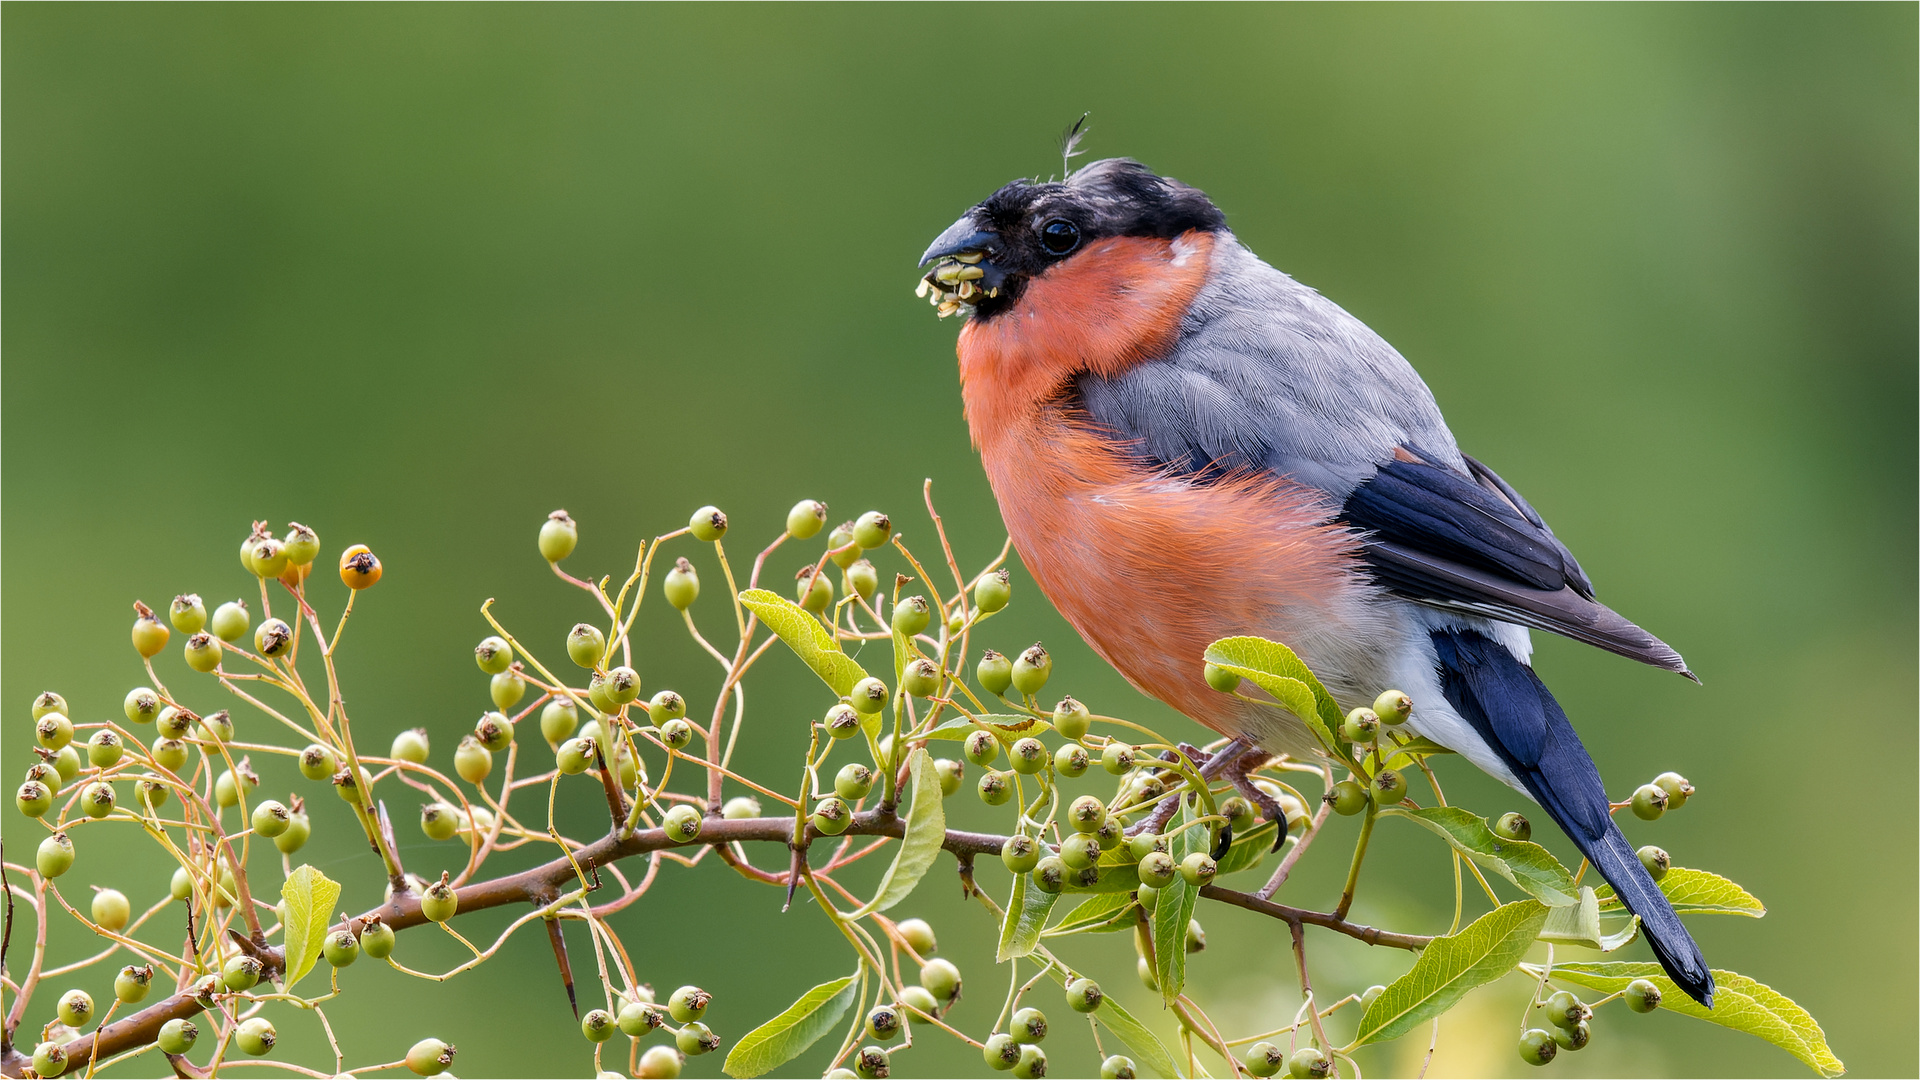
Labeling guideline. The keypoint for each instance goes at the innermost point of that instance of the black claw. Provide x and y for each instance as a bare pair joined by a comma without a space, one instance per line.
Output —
1226,841
1280,831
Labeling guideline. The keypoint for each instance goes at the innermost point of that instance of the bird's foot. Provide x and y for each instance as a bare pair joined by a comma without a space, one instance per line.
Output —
1239,773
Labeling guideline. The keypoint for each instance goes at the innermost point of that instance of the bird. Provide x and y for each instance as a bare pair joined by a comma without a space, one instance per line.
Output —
1187,444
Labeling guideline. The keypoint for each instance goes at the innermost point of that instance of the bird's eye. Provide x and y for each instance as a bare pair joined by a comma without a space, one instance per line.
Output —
1059,236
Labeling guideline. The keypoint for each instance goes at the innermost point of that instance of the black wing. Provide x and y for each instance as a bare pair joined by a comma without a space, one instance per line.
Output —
1472,544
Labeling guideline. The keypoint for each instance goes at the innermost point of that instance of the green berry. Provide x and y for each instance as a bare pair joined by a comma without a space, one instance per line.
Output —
1157,869
133,983
49,1059
1030,672
994,673
841,545
1656,860
1117,1067
376,939
34,799
411,745
599,1025
234,782
49,702
861,579
97,800
494,732
67,764
981,747
1118,758
919,1000
1196,936
506,689
230,621
1071,719
1371,995
598,695
557,721
1029,1025
921,679
439,902
1084,995
676,734
883,1023
471,760
695,1039
268,556
1239,813
1071,760
1512,826
439,821
995,788
110,909
203,652
832,816
341,948
660,1063
558,535
1021,853
53,731
1649,802
682,586
666,705
1361,726
318,762
910,616
1148,977
740,807
1565,1009
1028,756
682,823
1139,846
55,856
708,524
1642,996
149,637
431,1057
240,973
1393,707
623,686
872,530
1264,1059
1678,789
273,639
639,1017
141,705
812,590
75,1008
992,591
175,723
1086,814
1389,788
302,544
918,935
216,727
177,1036
1309,1061
1051,874
868,696
853,781
105,749
951,774
271,818
1537,1047
1001,1052
187,614
872,1063
842,721
586,645
942,980
1573,1038
170,754
806,519
1198,868
1220,678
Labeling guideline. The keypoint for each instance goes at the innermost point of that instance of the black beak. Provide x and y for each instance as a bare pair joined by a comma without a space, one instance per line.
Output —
962,236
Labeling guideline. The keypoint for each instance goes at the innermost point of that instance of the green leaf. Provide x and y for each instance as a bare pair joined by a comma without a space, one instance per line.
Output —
1623,936
1697,892
1575,924
1008,729
1027,911
1113,879
926,831
809,639
1449,967
1738,1003
1173,910
1098,914
1413,750
1149,1056
310,896
788,1035
1522,862
1274,668
1248,849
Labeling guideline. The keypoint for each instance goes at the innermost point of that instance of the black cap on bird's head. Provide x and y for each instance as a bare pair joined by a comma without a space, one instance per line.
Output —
1019,232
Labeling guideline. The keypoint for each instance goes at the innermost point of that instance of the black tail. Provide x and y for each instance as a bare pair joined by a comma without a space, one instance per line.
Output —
1512,710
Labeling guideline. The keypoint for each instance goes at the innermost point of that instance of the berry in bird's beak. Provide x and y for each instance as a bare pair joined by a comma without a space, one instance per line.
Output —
960,274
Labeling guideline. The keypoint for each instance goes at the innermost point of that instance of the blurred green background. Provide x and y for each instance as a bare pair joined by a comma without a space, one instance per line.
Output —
417,275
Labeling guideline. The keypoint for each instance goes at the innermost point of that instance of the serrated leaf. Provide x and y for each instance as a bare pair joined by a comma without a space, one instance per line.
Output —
809,639
1449,967
1274,668
1248,849
926,831
1575,924
310,896
1739,1003
1008,729
788,1035
1098,914
1697,892
1522,862
1149,1056
1173,910
1027,911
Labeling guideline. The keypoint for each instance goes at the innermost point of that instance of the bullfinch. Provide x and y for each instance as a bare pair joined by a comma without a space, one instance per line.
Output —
1187,444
